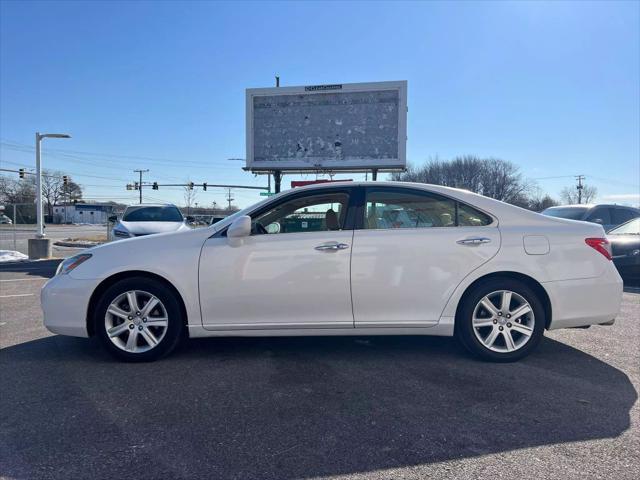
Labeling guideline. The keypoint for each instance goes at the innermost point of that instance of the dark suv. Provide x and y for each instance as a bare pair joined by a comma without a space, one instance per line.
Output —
609,216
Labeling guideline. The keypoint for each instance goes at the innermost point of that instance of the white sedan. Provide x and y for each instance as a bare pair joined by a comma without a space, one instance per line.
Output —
148,219
345,259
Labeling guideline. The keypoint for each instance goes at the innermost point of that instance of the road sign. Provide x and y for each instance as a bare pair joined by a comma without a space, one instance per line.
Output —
266,194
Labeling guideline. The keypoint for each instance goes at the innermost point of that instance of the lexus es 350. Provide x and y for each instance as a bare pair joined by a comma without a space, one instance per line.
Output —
364,258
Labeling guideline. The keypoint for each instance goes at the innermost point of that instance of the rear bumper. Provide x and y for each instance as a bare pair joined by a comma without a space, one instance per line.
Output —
64,303
588,301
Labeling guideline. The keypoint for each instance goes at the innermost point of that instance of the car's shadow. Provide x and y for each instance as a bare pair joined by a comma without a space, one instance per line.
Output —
288,408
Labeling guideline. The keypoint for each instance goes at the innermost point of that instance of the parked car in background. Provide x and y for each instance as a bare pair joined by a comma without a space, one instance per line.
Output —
356,258
4,220
147,219
625,246
609,216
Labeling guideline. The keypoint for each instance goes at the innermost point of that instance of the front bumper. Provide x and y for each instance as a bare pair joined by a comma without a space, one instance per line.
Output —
65,301
586,301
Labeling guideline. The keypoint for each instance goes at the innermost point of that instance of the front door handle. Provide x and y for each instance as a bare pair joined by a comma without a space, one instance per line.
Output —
473,241
331,247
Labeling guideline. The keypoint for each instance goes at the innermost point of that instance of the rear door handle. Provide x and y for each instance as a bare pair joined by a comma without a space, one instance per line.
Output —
474,241
331,246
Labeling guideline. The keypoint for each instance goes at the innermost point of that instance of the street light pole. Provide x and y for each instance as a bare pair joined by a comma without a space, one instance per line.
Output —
39,212
40,223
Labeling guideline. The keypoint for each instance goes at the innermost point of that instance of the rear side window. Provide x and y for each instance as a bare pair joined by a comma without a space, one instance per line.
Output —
470,217
399,208
600,215
621,215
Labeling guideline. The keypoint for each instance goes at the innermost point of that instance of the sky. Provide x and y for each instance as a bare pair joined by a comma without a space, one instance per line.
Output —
552,86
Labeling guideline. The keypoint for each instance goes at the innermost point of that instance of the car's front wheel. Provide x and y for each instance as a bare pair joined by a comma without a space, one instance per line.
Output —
500,320
138,319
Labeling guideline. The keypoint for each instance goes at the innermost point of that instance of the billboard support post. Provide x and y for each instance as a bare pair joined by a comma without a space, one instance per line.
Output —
374,174
277,179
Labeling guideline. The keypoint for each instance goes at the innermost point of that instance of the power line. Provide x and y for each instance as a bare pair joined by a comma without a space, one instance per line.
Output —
73,154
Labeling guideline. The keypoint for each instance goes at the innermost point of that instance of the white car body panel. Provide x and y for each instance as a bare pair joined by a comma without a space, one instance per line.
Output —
280,285
273,280
403,277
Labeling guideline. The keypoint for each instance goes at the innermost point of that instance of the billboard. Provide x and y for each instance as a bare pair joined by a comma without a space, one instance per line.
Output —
356,126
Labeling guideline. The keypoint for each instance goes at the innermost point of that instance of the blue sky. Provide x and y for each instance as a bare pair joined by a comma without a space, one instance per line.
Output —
551,86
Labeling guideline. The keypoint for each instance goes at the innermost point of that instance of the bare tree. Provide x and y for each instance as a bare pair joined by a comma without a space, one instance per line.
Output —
539,201
52,188
495,178
189,197
17,191
569,195
72,192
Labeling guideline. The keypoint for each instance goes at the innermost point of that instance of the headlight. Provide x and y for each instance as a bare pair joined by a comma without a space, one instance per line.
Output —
120,233
72,262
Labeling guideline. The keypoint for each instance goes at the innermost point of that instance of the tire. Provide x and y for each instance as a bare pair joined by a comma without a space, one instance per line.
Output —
486,333
144,335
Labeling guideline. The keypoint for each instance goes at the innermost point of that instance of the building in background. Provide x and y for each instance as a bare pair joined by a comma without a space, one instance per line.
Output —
93,213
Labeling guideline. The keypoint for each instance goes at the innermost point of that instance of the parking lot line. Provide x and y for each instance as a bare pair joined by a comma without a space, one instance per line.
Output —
18,295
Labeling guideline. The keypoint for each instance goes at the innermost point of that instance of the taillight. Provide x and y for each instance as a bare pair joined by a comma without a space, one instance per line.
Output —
602,245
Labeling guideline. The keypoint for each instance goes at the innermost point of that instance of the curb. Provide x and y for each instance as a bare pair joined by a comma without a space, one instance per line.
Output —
77,244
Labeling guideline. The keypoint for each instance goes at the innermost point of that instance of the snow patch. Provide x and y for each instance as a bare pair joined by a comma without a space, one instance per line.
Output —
12,256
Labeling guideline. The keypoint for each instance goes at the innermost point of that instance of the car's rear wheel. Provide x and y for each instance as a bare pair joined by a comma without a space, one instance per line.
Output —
500,320
138,319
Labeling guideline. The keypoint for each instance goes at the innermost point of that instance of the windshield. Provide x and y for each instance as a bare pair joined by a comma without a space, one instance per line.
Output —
572,213
632,227
167,213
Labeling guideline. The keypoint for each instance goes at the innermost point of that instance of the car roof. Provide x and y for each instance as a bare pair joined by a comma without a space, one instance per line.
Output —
142,205
589,206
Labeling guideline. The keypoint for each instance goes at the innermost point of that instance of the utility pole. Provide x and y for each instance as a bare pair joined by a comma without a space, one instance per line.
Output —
579,187
140,184
229,197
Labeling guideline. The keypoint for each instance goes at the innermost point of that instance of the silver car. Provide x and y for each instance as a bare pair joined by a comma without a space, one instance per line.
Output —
147,219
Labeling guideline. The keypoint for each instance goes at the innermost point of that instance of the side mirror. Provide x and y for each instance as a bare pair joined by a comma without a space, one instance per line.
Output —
113,218
241,227
598,220
190,219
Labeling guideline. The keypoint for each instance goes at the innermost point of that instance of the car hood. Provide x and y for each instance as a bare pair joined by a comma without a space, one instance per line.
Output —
147,228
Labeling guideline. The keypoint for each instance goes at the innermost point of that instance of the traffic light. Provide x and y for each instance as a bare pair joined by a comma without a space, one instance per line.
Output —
155,186
129,186
21,172
65,180
136,186
204,186
191,185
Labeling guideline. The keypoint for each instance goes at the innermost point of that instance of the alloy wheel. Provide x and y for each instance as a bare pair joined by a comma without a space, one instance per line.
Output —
136,321
503,321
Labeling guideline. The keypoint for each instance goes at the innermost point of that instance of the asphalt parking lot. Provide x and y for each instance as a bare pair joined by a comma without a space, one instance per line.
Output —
285,408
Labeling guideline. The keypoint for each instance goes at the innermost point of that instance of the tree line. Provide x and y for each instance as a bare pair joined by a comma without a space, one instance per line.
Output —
54,190
491,177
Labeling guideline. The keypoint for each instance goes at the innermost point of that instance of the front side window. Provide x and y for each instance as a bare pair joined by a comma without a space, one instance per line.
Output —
389,209
310,213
